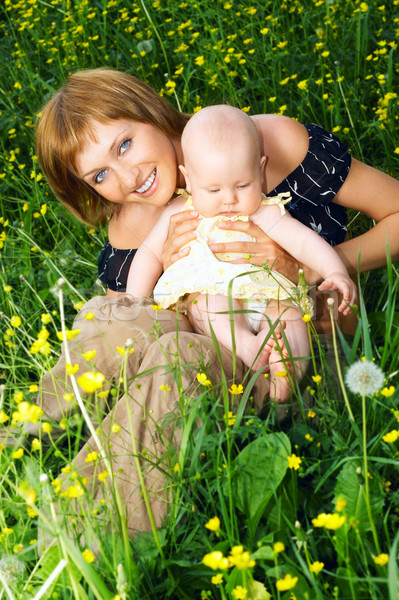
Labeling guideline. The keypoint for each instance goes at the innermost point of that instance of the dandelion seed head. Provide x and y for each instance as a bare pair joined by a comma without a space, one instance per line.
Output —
12,569
364,378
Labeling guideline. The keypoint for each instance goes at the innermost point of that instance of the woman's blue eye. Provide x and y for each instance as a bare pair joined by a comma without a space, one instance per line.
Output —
99,178
124,145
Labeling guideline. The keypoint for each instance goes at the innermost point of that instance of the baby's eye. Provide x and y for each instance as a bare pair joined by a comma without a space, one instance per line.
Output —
213,190
125,145
99,178
243,185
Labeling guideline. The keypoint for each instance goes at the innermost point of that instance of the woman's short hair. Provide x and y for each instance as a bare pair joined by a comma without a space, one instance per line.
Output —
103,95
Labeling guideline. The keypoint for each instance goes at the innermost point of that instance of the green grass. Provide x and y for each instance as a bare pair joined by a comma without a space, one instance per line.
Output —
343,55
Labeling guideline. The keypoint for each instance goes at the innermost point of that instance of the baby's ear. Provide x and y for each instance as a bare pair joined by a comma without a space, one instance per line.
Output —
263,161
184,171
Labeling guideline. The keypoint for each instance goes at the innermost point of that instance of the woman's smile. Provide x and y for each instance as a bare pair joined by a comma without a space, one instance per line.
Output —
127,161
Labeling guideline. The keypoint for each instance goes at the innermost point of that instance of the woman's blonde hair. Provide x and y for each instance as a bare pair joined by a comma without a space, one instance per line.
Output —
103,95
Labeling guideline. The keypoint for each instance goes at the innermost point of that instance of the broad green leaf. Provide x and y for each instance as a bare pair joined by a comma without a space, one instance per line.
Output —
349,485
258,471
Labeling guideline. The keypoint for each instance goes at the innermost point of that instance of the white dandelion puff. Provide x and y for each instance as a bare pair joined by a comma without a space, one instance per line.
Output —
364,378
12,569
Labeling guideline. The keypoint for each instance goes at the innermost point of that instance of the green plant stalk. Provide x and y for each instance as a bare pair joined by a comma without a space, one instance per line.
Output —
366,476
339,372
94,434
138,465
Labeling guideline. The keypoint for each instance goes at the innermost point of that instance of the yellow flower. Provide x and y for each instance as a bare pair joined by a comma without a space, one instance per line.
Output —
391,436
88,555
215,560
231,418
311,414
79,305
241,560
18,453
31,512
7,288
316,379
294,462
102,476
122,350
28,494
216,579
381,559
15,321
325,54
18,397
281,373
329,521
43,209
240,593
156,307
340,503
236,389
316,567
33,388
91,457
69,334
388,391
115,428
213,525
199,61
287,583
202,379
46,427
89,355
284,81
89,316
35,444
90,382
165,388
176,468
303,84
306,318
364,7
278,547
73,491
71,370
27,413
68,397
3,417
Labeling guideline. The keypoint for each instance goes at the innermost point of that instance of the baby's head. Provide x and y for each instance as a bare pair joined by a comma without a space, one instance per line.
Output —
223,166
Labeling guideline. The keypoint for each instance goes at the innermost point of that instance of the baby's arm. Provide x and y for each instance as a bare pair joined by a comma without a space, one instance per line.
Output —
146,266
310,249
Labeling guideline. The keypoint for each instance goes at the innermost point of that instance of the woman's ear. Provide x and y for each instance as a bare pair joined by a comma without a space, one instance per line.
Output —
184,171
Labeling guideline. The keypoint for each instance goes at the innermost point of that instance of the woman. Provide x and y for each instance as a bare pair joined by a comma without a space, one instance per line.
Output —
110,146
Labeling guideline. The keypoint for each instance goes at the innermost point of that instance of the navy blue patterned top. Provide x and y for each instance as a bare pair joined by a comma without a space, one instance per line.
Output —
313,185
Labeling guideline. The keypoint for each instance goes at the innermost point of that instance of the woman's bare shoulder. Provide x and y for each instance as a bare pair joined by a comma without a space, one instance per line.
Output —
132,224
284,142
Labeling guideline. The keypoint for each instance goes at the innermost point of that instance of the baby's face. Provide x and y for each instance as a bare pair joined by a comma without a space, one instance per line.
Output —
225,183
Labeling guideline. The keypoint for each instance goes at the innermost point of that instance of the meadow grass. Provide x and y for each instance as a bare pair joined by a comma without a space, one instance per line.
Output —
320,518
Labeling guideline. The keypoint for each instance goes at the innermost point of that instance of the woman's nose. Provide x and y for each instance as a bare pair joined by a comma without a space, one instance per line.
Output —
129,176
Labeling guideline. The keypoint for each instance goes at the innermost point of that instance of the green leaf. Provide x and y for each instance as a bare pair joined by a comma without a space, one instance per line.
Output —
349,485
257,472
256,590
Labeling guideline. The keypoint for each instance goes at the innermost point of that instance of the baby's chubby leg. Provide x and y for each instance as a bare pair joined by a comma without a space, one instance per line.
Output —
287,360
207,313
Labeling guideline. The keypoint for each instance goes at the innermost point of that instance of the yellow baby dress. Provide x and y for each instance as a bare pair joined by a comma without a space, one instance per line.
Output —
204,272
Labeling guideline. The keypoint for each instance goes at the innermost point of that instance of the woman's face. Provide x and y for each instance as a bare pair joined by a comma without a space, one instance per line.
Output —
128,161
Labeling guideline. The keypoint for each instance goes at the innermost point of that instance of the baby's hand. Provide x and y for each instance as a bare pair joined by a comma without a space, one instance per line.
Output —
344,284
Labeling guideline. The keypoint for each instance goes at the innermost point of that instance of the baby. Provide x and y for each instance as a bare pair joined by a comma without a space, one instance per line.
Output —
224,174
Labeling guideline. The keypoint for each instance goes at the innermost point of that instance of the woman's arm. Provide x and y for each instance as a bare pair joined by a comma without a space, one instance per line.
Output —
147,265
377,195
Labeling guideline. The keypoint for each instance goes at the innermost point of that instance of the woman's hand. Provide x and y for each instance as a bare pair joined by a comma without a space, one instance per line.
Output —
262,250
182,228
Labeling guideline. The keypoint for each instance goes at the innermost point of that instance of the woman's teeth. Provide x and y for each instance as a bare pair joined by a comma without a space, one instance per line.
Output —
146,186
